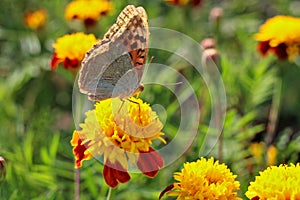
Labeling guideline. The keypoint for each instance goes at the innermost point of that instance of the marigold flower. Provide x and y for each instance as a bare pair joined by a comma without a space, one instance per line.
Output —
280,35
204,179
120,131
70,50
276,182
35,19
88,11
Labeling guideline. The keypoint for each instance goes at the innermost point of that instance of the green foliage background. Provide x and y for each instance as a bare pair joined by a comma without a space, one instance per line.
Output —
36,103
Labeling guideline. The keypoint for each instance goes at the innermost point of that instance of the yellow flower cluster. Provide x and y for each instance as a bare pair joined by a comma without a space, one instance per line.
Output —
205,179
276,183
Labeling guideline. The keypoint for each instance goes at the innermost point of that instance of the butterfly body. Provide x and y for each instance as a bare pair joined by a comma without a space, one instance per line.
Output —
114,66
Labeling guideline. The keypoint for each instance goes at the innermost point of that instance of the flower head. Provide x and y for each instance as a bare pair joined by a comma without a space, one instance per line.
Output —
280,35
121,131
35,19
276,182
204,179
70,50
88,11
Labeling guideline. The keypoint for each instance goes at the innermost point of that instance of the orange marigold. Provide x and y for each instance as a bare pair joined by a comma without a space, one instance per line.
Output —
88,11
280,35
120,131
35,19
70,50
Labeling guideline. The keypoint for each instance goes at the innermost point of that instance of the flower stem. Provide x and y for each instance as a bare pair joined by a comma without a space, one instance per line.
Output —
108,194
274,112
77,184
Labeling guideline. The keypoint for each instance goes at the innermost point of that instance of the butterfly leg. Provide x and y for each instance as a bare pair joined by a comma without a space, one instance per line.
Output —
139,109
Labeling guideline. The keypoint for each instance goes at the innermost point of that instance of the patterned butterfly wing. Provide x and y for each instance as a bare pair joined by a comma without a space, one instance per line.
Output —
123,49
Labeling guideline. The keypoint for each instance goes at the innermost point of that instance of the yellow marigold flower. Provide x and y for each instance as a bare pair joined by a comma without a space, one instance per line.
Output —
281,35
70,50
88,11
276,183
204,179
121,130
35,19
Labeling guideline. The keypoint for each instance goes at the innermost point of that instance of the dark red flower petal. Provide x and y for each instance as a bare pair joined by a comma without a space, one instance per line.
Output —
196,2
150,162
263,47
114,173
78,151
167,189
55,61
89,22
71,63
255,198
280,51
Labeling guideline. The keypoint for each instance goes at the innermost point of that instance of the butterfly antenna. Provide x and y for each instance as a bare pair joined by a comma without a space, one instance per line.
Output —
170,84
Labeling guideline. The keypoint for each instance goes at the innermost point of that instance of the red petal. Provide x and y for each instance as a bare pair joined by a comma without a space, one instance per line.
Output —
263,47
109,177
68,63
113,176
167,189
280,51
197,2
79,152
150,162
55,61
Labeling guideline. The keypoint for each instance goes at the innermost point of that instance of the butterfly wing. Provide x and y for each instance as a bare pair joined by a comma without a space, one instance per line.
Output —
103,69
123,48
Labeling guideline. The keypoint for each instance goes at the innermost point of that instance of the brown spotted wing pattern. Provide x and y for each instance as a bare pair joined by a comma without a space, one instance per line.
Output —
114,66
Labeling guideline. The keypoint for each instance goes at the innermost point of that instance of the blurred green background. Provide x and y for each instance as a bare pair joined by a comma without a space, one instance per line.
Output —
36,103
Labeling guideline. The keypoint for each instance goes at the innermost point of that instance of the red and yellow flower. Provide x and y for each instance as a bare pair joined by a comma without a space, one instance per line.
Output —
88,11
70,50
276,182
280,35
35,19
204,179
121,132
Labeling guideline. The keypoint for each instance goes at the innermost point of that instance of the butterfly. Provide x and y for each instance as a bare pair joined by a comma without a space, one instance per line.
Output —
114,66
